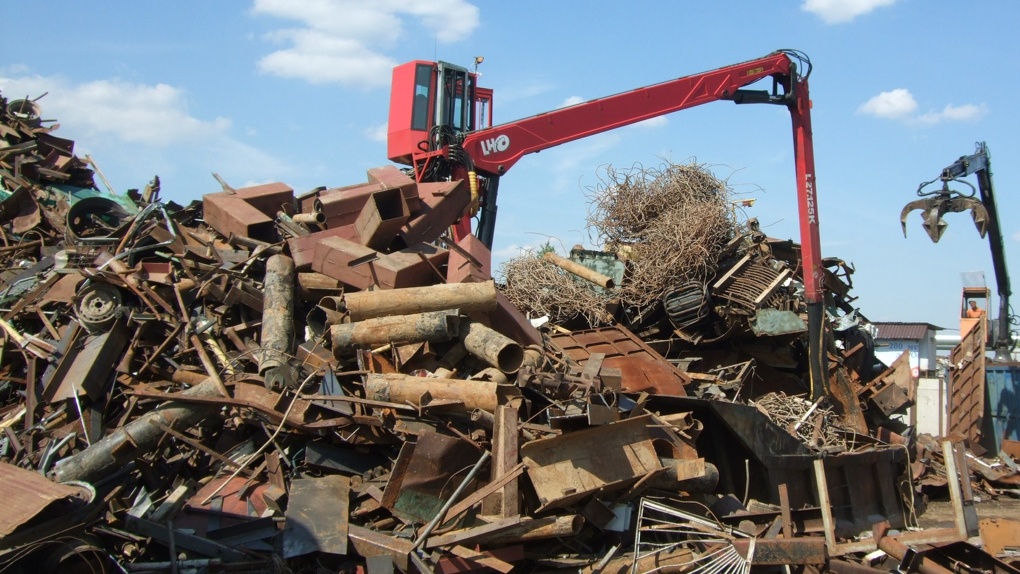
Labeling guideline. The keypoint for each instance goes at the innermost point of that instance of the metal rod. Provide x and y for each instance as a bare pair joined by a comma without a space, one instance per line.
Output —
449,501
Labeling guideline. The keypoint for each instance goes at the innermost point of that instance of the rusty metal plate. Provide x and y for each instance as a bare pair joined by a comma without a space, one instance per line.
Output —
317,512
967,385
566,468
641,367
29,494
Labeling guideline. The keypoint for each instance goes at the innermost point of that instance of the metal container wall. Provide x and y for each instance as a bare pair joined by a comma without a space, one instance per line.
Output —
1002,405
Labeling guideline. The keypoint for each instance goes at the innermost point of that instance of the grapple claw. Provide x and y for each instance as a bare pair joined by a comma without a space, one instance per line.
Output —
933,208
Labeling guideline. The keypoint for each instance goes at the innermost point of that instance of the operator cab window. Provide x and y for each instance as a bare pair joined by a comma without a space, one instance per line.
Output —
422,89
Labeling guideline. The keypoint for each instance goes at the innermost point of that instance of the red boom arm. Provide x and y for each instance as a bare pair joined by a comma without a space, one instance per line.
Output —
495,150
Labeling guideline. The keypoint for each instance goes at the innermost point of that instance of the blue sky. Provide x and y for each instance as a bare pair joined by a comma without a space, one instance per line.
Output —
297,92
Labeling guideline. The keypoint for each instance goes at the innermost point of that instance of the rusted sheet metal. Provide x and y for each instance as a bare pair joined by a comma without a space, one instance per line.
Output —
642,368
567,468
317,516
1000,534
369,543
420,486
470,260
967,385
890,391
88,370
30,495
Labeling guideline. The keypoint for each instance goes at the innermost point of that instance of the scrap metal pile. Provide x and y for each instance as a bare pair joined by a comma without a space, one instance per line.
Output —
325,382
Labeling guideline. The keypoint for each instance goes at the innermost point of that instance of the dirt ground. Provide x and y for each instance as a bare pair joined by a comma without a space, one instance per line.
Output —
940,512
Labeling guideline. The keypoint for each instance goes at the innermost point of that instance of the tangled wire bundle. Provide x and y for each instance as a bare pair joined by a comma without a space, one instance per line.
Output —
672,222
539,288
820,429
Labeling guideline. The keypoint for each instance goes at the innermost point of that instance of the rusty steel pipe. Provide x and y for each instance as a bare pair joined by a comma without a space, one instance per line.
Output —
898,550
140,436
277,313
669,480
492,347
466,297
537,529
317,218
435,327
407,389
579,270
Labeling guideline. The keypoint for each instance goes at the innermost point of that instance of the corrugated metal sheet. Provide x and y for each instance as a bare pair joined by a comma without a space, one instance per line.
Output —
911,331
1002,405
28,494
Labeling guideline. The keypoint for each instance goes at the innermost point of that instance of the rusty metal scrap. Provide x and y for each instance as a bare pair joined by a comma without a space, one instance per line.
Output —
266,381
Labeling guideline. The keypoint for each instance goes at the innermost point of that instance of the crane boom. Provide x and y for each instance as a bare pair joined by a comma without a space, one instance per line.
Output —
986,217
442,138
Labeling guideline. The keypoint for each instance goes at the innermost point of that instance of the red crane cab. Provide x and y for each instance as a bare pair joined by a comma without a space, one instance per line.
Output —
431,102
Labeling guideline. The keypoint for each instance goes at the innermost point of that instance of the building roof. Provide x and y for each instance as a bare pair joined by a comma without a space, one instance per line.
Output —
911,331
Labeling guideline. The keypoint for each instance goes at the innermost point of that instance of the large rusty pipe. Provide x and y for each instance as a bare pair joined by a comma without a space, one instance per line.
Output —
898,550
140,436
277,313
579,270
317,218
669,480
537,529
435,327
400,388
467,297
492,347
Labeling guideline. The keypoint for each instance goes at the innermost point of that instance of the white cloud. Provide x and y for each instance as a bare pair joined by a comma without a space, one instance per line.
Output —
379,133
572,101
136,130
842,11
342,41
964,113
898,103
155,115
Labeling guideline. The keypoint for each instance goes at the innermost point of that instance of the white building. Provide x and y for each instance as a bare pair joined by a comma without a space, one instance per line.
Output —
918,338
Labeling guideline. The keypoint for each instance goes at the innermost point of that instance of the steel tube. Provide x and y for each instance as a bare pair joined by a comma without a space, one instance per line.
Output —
277,313
492,347
898,550
406,389
537,529
467,297
317,218
435,327
140,436
579,270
